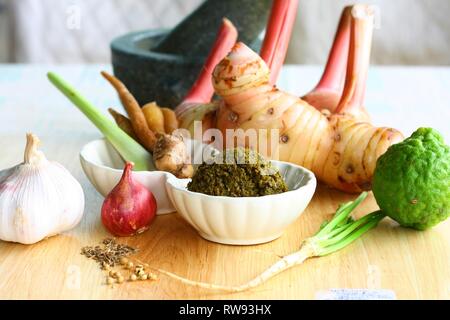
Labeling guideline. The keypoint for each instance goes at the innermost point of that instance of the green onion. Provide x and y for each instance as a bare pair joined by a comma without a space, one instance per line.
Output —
331,237
128,148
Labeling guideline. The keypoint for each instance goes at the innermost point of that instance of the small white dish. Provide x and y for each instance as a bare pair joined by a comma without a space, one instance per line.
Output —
238,221
245,220
103,166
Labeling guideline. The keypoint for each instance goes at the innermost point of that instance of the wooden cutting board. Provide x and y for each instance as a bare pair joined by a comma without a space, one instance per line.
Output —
414,265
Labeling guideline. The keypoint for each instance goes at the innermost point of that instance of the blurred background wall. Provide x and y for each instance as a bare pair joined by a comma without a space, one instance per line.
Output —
78,31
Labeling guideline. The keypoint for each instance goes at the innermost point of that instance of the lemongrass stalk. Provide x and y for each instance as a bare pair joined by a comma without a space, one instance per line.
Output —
358,58
128,148
278,33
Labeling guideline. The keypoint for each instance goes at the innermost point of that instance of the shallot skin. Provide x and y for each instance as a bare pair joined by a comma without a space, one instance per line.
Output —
130,208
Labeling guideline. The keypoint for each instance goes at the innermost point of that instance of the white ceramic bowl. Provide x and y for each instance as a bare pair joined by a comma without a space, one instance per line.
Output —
246,220
103,166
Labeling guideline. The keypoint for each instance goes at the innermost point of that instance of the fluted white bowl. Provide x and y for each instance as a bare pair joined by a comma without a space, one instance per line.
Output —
103,166
245,220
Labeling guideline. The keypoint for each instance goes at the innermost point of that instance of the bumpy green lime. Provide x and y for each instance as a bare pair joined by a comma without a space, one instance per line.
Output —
411,182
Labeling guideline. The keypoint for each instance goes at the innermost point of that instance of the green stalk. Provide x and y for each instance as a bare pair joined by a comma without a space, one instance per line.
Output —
127,147
338,236
378,216
342,214
335,231
342,229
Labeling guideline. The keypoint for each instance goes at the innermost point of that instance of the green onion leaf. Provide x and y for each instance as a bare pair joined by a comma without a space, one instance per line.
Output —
342,214
342,229
368,225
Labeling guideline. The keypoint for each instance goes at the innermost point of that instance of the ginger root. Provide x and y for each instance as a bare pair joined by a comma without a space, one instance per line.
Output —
154,117
123,123
170,154
170,120
134,111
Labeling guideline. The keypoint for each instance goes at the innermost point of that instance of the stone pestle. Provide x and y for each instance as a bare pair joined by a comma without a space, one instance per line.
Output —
195,35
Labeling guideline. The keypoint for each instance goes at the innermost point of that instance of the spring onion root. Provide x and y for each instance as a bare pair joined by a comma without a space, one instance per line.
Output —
332,236
128,148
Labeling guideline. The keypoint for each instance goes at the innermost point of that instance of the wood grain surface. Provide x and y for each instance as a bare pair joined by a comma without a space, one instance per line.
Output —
412,264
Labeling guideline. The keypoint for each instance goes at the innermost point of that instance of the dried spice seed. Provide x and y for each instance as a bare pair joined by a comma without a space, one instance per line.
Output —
140,272
109,254
139,267
153,277
143,277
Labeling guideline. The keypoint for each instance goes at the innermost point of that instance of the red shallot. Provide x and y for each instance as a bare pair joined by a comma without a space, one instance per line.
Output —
129,208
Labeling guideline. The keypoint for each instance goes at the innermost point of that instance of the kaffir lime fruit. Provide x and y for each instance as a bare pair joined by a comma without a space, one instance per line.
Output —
411,182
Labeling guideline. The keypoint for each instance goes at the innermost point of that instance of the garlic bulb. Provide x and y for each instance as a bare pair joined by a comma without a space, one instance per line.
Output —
38,198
